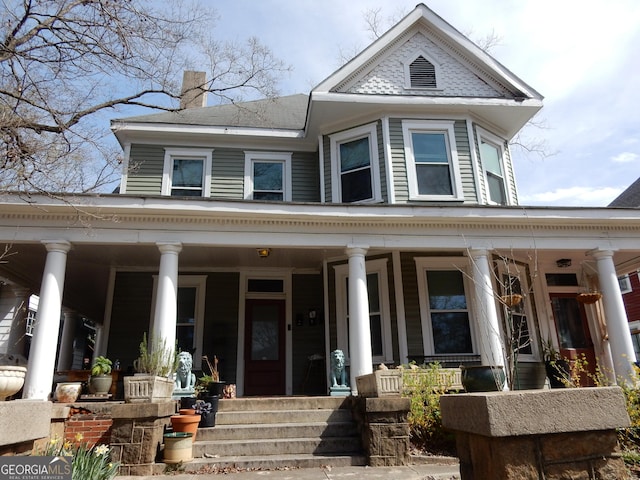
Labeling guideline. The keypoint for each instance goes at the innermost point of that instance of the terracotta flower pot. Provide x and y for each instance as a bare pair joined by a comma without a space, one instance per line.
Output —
186,423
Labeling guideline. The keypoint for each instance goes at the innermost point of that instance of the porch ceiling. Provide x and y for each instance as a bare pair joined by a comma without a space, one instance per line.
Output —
89,266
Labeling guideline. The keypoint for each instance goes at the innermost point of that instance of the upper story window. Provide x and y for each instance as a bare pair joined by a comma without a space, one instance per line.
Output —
432,160
187,173
492,158
354,165
267,176
421,72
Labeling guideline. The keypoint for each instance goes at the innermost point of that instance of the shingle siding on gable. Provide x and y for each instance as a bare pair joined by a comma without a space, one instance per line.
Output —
455,79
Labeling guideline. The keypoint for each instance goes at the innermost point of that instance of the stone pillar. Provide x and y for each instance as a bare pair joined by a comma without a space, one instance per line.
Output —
616,316
545,434
65,353
42,357
360,356
490,343
18,333
384,428
164,322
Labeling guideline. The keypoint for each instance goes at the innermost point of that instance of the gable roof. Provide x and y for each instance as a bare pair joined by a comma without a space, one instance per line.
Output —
630,197
422,18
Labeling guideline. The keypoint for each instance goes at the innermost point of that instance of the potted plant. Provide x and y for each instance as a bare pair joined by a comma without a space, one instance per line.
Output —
100,380
207,412
557,368
213,383
154,367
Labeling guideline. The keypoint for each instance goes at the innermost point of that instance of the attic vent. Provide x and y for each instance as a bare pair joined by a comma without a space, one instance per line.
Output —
422,73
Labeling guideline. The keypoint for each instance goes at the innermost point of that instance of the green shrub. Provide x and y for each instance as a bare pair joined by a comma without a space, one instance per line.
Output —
424,386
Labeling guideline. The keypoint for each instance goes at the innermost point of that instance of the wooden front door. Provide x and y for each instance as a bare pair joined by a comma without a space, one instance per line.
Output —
264,349
573,334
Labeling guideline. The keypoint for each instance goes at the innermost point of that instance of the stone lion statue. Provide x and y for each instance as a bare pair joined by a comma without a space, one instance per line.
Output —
338,372
185,379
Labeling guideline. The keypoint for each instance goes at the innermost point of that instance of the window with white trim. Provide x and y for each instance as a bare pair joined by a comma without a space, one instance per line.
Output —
625,283
187,173
433,171
354,165
379,309
445,311
267,176
493,165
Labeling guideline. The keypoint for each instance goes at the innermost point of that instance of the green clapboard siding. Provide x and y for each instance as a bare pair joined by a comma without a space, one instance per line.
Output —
326,145
308,336
305,177
146,163
227,173
465,162
411,304
530,375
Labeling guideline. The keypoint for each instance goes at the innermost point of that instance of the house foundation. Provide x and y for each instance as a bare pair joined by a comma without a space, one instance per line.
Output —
538,434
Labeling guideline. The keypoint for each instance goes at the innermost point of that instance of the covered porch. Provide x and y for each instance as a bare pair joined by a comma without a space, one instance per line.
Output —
271,292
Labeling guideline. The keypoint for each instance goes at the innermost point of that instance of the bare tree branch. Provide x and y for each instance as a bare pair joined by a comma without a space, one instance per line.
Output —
63,62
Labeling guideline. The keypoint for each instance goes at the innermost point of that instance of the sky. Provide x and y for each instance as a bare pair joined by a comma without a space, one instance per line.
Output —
583,56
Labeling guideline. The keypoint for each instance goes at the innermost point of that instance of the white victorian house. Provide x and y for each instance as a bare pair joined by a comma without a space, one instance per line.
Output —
377,214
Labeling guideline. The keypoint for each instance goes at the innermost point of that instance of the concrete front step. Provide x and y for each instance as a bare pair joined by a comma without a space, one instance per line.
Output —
282,403
277,446
280,430
214,465
252,417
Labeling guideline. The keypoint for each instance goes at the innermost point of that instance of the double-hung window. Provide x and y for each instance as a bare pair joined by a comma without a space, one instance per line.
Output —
492,158
432,160
379,313
267,176
445,306
187,173
355,170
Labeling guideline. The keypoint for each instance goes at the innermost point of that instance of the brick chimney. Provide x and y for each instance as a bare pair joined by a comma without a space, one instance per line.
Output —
193,94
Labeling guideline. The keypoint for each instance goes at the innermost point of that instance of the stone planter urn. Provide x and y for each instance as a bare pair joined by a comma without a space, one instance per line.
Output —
143,388
11,380
380,383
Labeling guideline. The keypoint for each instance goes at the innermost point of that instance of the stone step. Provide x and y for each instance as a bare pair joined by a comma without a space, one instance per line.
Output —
246,417
281,430
282,403
267,462
277,446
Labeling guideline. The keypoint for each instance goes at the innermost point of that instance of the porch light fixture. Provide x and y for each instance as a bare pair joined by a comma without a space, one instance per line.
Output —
563,262
263,252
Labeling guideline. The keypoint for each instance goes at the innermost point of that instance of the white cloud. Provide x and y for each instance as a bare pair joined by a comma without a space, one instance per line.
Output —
573,196
625,157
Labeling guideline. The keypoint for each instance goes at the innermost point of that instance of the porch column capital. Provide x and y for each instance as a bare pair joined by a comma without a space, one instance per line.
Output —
479,252
598,253
360,250
169,247
60,246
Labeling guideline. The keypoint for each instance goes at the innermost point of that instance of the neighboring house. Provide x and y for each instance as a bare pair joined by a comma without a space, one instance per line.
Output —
630,283
377,215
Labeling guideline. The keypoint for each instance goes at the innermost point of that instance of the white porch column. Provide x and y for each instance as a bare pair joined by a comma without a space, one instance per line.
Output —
616,316
164,322
490,342
18,329
65,353
42,356
361,358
